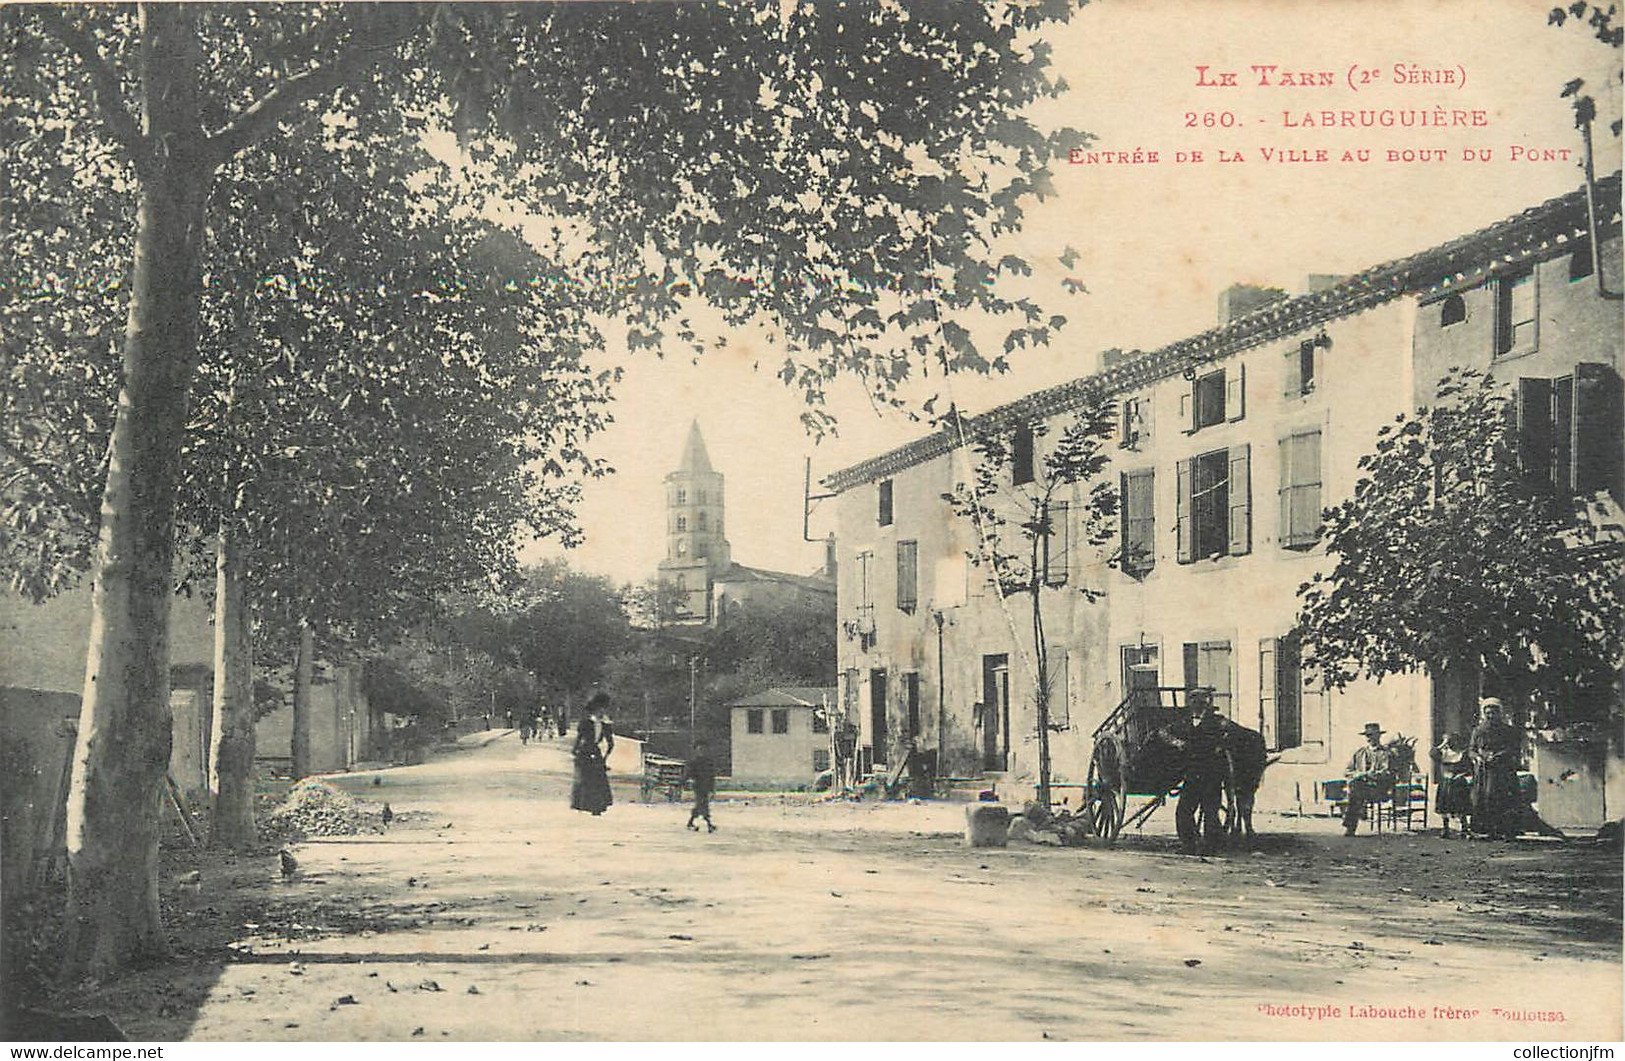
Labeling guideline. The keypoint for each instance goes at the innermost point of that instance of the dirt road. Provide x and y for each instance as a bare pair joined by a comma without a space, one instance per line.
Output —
488,910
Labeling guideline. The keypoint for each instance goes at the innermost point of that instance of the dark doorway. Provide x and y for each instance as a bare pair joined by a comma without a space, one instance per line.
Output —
911,701
877,715
996,712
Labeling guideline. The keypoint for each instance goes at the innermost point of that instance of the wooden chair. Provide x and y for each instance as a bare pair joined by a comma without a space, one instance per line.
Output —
1410,802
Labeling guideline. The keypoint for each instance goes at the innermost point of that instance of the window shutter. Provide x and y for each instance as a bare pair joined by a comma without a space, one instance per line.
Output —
1288,721
1292,373
1563,434
1147,409
1187,408
1285,492
1535,430
1241,506
1193,675
1057,554
1268,648
1060,694
1184,504
1123,539
1597,444
1235,392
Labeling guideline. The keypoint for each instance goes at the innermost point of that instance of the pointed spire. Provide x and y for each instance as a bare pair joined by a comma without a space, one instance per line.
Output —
695,460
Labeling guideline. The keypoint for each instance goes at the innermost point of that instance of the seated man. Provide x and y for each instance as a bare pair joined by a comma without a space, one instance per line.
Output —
1370,777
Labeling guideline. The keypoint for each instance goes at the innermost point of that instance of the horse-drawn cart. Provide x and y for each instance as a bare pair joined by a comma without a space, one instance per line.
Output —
1132,757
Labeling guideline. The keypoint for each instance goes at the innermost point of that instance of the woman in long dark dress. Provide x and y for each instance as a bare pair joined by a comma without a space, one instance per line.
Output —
1496,750
590,789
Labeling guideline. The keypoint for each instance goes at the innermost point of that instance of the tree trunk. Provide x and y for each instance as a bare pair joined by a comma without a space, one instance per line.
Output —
122,752
304,673
1041,656
231,745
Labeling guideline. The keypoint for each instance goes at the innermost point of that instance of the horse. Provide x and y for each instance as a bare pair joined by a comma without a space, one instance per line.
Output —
1246,759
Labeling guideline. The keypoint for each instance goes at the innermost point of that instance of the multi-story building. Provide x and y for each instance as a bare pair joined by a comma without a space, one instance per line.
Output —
1229,445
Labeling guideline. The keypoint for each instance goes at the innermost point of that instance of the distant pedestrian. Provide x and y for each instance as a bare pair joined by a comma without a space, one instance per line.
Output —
590,790
702,774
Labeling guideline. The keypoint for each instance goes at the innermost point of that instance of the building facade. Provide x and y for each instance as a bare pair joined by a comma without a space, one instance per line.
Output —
780,735
1228,446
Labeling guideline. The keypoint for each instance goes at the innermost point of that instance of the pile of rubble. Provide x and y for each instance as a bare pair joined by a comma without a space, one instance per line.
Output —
315,808
1057,828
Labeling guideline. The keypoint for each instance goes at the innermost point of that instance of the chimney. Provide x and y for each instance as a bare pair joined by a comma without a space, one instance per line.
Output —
829,557
1238,300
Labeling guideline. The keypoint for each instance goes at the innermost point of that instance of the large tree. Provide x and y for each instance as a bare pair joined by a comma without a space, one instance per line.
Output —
1450,556
796,163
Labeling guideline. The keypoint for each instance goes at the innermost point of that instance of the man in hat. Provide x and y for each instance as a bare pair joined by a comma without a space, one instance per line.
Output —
1370,777
1202,793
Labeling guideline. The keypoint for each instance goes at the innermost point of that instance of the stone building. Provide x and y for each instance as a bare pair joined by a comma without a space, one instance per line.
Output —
1229,445
780,735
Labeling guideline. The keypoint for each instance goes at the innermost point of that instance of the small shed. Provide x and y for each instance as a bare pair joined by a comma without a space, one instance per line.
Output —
781,734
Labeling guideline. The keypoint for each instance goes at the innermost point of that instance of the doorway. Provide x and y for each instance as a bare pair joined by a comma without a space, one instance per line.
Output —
996,712
877,716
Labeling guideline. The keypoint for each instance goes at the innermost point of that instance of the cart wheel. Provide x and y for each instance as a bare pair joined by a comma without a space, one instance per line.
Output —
1105,795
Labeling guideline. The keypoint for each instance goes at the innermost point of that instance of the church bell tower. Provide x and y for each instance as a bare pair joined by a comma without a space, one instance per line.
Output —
696,549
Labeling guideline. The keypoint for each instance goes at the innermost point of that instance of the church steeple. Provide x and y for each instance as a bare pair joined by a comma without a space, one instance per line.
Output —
696,547
695,460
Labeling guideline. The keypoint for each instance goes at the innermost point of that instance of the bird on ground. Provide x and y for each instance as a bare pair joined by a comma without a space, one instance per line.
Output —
388,814
290,865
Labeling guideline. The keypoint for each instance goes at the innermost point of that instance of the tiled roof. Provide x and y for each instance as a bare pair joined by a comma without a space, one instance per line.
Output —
741,573
788,696
1541,232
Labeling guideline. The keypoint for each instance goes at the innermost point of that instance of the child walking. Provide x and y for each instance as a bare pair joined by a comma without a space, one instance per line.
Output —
702,774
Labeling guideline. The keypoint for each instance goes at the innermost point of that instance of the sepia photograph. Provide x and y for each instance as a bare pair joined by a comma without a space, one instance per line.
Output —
805,521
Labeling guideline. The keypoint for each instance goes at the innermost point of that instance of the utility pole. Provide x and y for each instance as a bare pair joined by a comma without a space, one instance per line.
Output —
693,692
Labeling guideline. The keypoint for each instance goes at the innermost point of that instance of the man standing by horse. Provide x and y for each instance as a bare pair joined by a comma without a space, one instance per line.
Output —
1205,771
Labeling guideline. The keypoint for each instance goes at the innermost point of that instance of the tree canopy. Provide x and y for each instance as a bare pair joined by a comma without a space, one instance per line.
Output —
1448,555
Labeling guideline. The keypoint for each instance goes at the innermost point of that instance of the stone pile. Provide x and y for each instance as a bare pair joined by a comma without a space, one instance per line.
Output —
315,808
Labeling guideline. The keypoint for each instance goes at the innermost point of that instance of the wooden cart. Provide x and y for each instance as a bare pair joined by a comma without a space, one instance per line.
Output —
663,775
1129,760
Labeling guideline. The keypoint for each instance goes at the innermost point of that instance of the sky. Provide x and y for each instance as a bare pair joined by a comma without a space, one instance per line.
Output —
1158,242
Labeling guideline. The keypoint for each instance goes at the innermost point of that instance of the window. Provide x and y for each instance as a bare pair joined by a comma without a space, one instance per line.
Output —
1300,489
1300,369
700,550
1291,711
1139,667
1214,397
820,760
682,524
1515,315
1210,399
1207,663
820,720
704,520
1060,688
1569,430
753,720
883,513
1139,522
1021,456
911,702
1580,263
700,496
908,577
682,496
1055,552
1134,422
781,720
1452,310
1213,505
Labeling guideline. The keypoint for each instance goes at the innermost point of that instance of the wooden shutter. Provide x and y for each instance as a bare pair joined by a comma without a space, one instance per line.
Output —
1597,444
1288,721
1292,373
1268,647
1235,392
1060,694
1187,408
1057,554
1193,666
1284,531
1184,506
1535,430
1241,506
